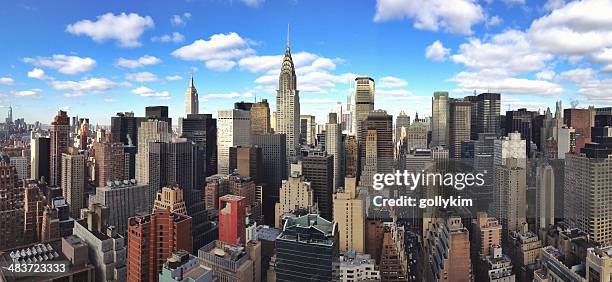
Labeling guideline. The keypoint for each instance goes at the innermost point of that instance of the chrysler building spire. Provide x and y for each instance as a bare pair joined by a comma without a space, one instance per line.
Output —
192,105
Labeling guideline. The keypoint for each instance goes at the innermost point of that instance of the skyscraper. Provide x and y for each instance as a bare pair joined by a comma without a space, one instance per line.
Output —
401,121
288,105
73,180
60,140
192,105
149,132
318,168
274,170
111,162
307,130
233,129
545,196
260,117
364,102
39,158
487,114
521,121
334,146
248,161
459,123
382,125
202,130
296,193
439,119
349,213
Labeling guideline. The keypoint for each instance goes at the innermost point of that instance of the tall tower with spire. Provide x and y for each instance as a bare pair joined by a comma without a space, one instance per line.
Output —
288,104
192,105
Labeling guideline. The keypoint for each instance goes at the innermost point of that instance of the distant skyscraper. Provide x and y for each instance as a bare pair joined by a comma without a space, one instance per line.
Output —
459,123
307,130
124,128
439,119
295,194
192,104
487,114
111,162
334,146
202,130
159,113
351,157
545,196
232,218
73,181
39,158
247,161
60,141
566,141
288,105
401,121
233,129
521,121
363,103
349,213
150,132
510,196
382,123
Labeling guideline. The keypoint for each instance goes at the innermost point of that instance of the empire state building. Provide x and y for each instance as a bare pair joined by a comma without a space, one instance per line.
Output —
288,105
192,104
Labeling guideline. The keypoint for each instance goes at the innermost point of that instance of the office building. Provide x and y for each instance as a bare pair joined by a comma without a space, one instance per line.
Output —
247,161
73,181
59,133
363,103
382,146
202,130
232,262
288,106
150,132
521,121
402,122
318,169
112,162
447,250
11,208
351,157
295,194
158,113
545,196
171,199
152,239
566,141
308,131
233,129
349,213
124,199
459,123
308,236
334,147
232,219
439,119
40,153
192,105
524,248
357,267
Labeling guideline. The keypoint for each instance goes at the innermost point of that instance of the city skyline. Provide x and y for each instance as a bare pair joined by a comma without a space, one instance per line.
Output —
516,48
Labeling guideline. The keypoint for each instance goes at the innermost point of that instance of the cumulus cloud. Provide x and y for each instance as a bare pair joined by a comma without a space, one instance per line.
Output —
6,81
145,60
455,16
148,92
65,64
175,37
174,77
493,21
391,82
546,75
37,73
141,76
180,20
484,81
554,4
436,52
31,93
126,29
577,76
509,51
578,28
86,85
219,52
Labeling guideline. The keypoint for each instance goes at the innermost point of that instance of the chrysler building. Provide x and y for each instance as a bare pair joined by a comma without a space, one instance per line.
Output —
288,105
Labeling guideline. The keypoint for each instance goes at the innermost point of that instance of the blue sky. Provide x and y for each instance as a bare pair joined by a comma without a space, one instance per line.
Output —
95,60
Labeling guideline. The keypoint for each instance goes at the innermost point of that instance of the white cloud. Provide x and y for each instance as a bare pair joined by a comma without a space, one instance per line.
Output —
63,63
554,4
175,37
253,3
110,100
455,16
494,21
220,65
37,73
87,85
603,57
180,20
148,92
577,76
145,60
174,77
436,52
71,95
545,75
577,28
141,76
510,52
391,82
32,93
6,81
125,28
485,82
221,49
